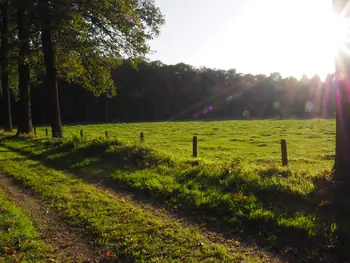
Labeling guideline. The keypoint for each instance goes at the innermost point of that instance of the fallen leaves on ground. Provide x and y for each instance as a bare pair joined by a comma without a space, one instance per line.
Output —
240,196
9,251
109,254
66,245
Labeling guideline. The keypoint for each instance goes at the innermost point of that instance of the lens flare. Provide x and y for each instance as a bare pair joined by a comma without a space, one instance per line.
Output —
229,98
246,114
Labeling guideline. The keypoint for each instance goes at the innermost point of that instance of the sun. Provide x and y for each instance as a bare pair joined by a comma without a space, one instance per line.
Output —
327,36
302,37
341,35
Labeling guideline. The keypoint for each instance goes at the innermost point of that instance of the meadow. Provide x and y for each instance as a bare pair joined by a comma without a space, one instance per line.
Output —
236,187
311,143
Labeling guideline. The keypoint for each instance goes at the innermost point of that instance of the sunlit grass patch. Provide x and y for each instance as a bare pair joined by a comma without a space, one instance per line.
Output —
256,142
19,241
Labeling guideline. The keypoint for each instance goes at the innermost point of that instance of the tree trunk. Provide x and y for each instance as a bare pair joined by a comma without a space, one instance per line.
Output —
342,64
4,68
106,100
25,119
51,71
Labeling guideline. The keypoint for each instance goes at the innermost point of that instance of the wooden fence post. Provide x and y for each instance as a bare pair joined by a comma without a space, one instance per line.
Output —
194,146
284,152
142,137
81,133
47,132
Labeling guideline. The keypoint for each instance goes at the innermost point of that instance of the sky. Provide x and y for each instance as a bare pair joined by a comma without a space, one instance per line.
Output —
253,36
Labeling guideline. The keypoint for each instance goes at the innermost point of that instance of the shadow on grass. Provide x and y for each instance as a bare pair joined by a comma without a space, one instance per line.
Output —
329,244
71,156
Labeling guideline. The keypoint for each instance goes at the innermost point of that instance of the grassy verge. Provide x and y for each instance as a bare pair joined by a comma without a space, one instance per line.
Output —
274,206
19,242
131,233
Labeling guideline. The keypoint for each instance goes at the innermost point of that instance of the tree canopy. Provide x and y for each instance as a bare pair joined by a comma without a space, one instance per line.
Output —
79,41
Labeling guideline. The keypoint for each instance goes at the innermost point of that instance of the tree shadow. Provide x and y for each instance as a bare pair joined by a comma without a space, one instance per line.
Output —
325,246
335,209
68,155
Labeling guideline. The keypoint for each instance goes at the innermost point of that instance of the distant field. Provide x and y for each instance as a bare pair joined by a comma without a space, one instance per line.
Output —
310,142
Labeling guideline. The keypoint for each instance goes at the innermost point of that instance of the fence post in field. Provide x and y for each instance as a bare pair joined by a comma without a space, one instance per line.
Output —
194,146
142,137
81,133
35,130
284,152
47,132
106,133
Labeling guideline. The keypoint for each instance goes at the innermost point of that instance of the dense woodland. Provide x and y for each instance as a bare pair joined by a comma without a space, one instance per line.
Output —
155,91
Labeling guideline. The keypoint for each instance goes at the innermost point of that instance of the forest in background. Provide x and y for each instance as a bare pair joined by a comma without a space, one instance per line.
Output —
158,92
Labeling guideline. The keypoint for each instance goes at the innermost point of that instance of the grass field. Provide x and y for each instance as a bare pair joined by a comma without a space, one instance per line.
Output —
310,142
133,234
236,188
19,241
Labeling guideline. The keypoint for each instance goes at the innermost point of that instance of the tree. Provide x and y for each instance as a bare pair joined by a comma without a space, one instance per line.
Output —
50,66
342,62
25,123
104,31
4,64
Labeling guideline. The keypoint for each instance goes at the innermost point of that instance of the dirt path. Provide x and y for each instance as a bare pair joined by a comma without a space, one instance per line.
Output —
67,245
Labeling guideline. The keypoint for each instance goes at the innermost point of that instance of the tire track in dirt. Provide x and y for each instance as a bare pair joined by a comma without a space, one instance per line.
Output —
67,245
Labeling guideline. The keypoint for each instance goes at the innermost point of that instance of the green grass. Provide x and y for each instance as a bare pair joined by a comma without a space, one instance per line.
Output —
310,142
232,190
133,234
19,241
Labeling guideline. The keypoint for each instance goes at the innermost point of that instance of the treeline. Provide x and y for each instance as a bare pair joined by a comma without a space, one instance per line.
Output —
156,92
48,42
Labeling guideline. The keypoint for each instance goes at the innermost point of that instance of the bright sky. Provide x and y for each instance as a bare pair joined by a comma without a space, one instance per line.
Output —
253,36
